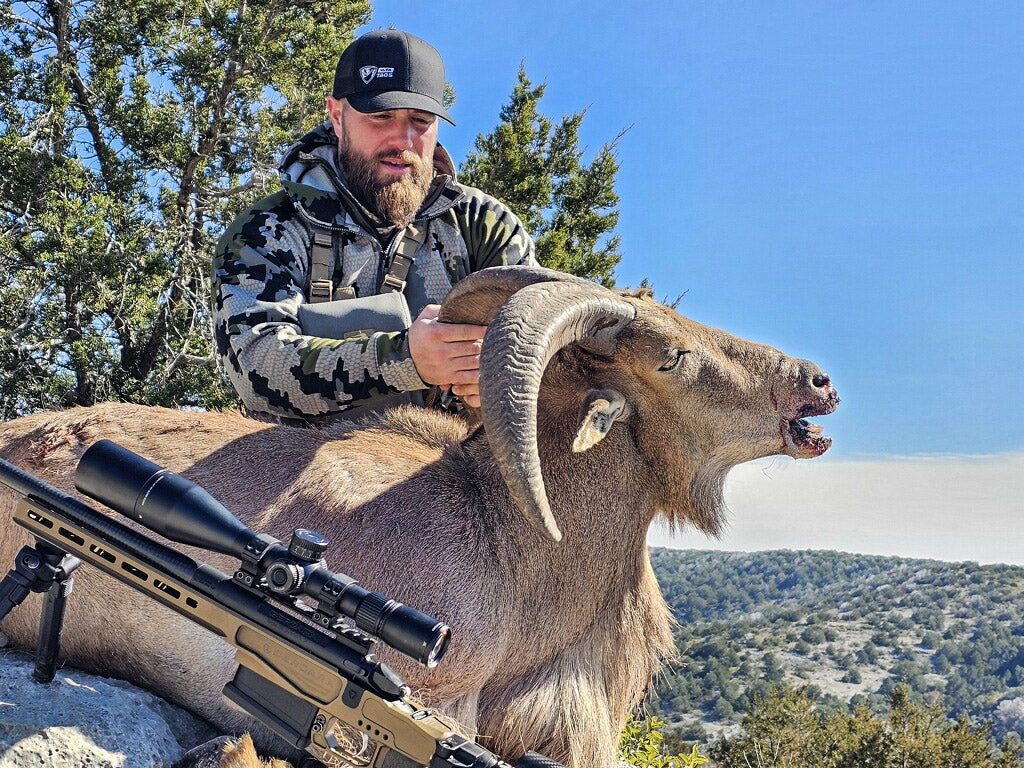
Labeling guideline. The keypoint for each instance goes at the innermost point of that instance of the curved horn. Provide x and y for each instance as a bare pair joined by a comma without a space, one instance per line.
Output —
476,299
524,335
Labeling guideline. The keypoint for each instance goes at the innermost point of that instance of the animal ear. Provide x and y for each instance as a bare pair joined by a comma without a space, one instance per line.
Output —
601,408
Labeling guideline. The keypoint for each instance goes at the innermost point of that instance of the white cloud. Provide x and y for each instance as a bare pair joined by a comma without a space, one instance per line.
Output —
942,507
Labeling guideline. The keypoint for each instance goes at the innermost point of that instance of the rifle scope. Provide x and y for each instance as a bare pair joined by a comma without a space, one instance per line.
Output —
183,512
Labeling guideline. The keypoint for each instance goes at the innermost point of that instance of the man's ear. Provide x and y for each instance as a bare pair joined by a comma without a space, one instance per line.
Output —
334,109
601,408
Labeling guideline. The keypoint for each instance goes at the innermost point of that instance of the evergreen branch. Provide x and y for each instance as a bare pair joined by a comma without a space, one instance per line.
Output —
21,220
70,65
258,176
183,359
35,346
611,145
40,29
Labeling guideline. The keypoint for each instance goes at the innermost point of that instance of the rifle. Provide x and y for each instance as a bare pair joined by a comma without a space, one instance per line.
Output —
308,672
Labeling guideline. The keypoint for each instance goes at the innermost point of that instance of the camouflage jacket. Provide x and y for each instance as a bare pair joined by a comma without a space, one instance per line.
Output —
261,277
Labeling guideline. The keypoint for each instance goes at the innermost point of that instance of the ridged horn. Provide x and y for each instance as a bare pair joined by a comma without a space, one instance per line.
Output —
476,298
524,334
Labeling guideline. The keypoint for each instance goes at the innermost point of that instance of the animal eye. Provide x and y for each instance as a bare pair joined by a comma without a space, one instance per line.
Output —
677,358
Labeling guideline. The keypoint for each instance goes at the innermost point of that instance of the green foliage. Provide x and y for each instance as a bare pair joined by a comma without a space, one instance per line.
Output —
130,133
537,168
642,745
785,730
751,621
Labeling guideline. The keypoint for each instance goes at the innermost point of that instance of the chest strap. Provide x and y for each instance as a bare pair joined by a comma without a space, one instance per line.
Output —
321,265
322,257
398,274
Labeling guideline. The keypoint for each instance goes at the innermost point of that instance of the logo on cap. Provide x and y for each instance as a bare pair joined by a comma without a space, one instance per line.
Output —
368,73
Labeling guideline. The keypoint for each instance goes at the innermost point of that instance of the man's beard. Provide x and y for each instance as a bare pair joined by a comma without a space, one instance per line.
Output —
395,199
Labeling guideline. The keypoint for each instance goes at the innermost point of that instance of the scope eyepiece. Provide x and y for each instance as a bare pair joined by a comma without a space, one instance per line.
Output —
416,634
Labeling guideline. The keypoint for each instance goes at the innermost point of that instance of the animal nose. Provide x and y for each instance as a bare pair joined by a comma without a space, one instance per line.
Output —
815,386
810,377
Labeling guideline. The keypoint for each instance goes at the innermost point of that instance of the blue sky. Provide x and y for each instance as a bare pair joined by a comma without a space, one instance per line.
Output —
843,181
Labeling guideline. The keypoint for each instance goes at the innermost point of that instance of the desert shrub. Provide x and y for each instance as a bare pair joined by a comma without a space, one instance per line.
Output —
642,743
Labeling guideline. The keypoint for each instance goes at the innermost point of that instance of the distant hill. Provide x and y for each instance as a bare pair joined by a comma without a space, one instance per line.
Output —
848,626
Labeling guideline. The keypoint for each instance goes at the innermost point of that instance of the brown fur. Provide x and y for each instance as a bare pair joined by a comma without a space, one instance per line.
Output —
553,644
242,754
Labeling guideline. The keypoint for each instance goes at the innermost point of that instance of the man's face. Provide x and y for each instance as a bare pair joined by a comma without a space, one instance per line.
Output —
388,157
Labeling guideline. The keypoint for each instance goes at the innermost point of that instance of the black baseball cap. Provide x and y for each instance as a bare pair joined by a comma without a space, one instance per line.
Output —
390,69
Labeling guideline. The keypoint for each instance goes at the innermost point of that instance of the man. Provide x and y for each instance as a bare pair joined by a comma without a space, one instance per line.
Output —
369,207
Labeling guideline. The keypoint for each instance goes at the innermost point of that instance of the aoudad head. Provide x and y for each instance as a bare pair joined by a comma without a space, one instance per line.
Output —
696,400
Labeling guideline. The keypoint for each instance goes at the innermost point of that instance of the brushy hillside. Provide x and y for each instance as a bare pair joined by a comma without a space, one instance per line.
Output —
847,628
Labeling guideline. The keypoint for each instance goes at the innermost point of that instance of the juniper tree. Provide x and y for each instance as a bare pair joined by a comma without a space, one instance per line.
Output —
131,131
785,730
537,168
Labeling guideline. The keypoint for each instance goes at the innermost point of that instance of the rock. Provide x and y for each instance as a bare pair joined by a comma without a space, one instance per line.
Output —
84,720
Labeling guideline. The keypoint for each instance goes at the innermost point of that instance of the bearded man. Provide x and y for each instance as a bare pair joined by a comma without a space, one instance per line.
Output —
369,207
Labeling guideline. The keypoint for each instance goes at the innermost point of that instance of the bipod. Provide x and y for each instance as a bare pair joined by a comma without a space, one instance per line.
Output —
42,568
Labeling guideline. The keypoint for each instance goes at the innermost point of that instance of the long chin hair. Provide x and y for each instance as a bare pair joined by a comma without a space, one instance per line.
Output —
394,200
701,503
398,201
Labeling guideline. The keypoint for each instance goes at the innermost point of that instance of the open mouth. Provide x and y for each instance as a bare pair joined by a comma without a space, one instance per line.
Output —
803,439
396,166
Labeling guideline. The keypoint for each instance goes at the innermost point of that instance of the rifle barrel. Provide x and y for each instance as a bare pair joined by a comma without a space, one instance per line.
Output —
178,564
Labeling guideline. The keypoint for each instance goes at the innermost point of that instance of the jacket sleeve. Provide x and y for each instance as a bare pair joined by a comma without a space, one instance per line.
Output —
259,277
494,235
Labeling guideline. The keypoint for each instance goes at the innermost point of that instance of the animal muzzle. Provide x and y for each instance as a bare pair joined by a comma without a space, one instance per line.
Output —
812,394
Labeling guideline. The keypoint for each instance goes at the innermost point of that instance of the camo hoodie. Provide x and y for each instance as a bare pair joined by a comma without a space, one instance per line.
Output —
261,276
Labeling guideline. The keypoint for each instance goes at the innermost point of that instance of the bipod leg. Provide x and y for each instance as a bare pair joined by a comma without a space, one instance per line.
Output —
42,568
51,624
16,585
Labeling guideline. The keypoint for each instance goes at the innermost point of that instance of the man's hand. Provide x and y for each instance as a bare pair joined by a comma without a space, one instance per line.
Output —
447,354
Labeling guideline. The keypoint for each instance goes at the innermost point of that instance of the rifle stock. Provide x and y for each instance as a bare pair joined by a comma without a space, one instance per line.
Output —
319,689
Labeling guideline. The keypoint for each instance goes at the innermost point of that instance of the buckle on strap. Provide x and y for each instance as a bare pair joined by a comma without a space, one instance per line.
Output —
320,290
393,283
321,264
